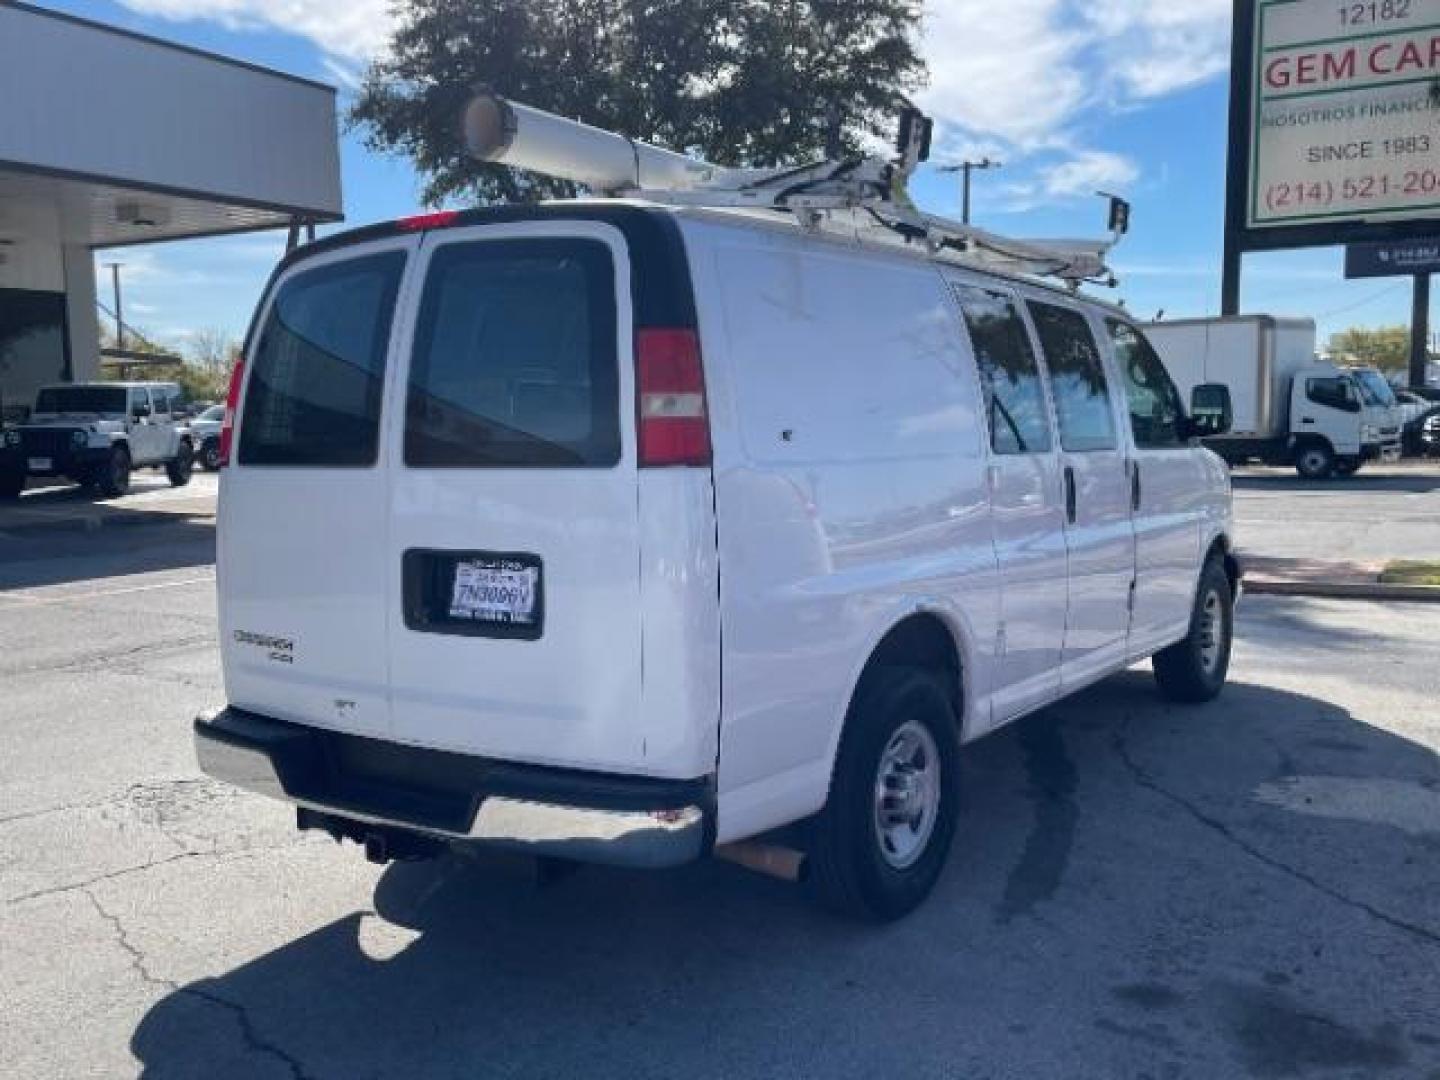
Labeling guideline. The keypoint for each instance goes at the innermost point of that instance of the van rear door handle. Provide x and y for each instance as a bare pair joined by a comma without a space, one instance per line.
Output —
1069,494
1307,420
1135,486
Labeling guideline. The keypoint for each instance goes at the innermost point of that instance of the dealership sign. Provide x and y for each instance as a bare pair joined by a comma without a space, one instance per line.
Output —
1397,259
1345,112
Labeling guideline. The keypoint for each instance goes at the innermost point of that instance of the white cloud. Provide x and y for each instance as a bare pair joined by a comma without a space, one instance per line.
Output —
1087,172
354,30
1009,71
1155,49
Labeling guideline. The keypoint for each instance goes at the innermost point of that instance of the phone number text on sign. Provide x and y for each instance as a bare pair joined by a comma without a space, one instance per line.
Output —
1346,108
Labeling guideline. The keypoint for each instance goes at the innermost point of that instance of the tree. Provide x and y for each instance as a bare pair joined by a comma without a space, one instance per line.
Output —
1386,347
739,82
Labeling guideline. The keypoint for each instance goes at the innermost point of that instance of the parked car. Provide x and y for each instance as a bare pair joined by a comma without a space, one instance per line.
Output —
95,433
1412,405
205,426
1412,435
663,528
1430,435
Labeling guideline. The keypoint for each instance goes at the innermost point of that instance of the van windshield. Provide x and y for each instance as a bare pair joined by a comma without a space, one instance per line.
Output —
81,399
515,357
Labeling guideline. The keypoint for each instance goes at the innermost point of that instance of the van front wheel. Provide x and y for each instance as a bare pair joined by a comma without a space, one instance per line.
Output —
1194,670
880,843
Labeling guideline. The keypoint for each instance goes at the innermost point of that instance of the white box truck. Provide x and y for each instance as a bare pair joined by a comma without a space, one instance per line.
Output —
1289,407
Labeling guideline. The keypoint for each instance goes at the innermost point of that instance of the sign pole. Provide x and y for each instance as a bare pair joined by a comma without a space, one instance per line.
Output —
1420,330
1242,41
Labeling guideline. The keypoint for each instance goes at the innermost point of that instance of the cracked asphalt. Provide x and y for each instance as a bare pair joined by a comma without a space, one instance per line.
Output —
1139,890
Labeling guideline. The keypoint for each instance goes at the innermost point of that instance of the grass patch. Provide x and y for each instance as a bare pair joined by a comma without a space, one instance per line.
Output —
1408,572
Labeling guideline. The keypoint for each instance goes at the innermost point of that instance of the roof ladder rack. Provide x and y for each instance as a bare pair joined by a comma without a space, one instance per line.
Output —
871,189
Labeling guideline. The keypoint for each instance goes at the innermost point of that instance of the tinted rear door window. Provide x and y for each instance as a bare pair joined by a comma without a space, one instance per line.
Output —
319,366
1077,379
515,359
1009,374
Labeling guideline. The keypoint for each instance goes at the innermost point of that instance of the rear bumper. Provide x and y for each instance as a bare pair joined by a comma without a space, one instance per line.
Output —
459,799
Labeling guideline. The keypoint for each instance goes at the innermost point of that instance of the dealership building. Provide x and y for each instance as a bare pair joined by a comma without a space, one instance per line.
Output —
109,139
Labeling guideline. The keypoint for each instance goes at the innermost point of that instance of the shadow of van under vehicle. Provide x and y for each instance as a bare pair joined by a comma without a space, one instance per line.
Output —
37,551
1137,889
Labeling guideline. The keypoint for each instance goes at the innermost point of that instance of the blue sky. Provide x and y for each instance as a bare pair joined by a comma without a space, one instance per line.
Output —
1125,95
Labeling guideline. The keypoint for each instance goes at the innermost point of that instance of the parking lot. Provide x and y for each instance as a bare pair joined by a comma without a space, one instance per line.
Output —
1139,890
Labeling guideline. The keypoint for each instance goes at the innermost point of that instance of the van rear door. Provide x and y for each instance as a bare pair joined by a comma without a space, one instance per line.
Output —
513,524
303,519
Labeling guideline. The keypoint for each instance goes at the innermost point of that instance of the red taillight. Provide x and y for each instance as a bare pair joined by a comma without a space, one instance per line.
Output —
232,402
420,222
670,399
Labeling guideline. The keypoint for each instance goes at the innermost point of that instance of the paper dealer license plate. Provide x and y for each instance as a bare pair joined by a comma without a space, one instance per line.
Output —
41,464
495,591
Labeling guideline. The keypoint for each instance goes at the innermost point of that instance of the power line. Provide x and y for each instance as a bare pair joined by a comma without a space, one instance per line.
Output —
1361,303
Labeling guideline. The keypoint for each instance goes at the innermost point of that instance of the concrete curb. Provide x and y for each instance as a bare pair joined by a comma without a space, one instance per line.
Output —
1327,590
90,523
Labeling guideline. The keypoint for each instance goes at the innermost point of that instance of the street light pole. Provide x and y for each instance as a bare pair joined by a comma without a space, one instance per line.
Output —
965,168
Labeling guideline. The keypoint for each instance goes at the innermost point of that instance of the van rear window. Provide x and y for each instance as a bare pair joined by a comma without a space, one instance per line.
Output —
318,370
515,357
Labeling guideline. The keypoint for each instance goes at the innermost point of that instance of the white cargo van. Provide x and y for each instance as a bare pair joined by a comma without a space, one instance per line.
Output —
625,533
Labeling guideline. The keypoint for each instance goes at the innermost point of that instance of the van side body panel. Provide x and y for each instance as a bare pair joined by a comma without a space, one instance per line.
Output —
851,492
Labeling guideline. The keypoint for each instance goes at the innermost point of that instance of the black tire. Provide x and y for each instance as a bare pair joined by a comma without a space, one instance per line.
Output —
12,483
853,866
1194,670
210,455
181,467
113,477
1314,461
1347,466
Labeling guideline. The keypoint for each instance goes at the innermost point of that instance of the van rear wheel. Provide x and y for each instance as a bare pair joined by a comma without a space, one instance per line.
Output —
881,842
1194,670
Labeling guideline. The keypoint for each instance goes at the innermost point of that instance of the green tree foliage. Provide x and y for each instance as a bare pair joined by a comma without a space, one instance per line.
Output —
1385,347
740,82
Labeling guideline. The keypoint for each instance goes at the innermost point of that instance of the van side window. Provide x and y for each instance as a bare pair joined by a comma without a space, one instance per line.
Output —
1009,374
1156,414
1077,377
318,371
139,399
160,400
515,357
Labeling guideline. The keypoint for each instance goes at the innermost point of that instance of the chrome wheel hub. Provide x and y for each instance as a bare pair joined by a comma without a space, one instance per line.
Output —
907,794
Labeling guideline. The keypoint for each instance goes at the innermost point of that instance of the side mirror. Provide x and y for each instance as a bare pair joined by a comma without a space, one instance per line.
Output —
1210,410
140,412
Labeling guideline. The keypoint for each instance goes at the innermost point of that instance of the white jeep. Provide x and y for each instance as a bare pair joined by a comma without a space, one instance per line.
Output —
96,433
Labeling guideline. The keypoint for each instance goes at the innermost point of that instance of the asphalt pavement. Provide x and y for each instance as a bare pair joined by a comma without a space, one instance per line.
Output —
1250,888
1381,514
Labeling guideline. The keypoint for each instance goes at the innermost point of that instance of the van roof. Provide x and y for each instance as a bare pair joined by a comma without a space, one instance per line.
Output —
630,215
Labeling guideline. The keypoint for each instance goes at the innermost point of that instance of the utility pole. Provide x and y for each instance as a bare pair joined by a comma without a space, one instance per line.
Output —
965,168
1420,330
119,320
